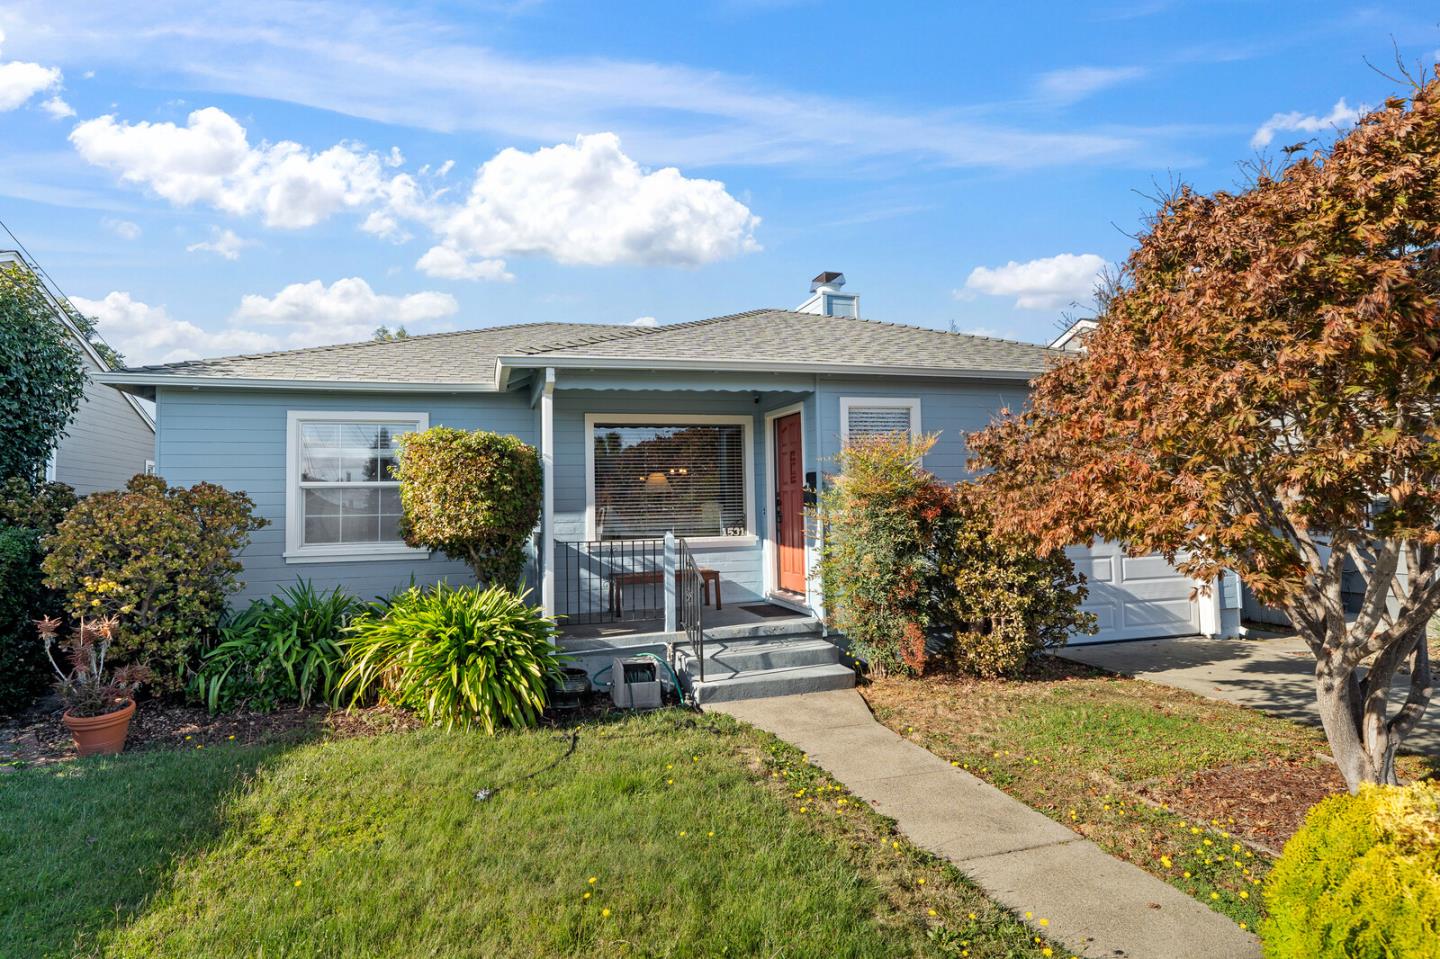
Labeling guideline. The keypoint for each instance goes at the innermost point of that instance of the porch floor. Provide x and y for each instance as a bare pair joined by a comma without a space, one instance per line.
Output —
731,615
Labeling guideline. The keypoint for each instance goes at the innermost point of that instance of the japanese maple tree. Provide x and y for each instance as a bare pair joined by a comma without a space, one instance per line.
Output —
1261,395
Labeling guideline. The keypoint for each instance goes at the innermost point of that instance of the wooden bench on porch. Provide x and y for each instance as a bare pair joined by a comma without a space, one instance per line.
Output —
619,582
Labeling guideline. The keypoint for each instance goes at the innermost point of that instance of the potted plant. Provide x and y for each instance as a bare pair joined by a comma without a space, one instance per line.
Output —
98,705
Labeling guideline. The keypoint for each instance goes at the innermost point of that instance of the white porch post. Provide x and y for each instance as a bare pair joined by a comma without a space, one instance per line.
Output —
547,493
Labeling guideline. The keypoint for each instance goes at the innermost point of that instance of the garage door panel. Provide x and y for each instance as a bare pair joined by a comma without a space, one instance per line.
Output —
1138,569
1133,597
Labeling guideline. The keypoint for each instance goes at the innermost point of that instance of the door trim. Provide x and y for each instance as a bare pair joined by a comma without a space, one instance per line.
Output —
769,555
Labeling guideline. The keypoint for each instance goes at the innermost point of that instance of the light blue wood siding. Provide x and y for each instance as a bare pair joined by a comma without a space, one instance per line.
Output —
236,438
952,408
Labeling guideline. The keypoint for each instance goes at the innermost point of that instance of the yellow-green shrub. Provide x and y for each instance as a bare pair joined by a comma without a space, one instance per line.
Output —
1361,879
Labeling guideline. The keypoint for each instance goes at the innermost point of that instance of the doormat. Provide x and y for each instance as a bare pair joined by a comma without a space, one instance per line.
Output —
768,610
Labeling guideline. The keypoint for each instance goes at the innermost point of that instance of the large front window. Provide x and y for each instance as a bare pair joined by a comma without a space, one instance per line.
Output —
655,476
344,498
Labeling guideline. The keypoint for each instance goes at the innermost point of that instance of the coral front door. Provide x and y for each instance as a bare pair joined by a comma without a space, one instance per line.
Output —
789,505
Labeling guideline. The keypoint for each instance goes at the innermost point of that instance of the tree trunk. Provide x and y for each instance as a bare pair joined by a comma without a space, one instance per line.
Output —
1337,693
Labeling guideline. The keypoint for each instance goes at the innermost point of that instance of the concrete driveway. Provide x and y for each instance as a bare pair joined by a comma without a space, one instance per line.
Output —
1275,676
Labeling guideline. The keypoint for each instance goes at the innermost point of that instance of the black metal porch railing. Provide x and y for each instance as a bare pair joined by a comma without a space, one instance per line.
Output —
610,581
689,598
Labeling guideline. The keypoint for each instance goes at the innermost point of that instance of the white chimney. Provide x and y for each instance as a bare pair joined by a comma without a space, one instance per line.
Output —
826,298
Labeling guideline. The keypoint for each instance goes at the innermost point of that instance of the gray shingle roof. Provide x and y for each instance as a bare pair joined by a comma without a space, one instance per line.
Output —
463,358
784,336
757,339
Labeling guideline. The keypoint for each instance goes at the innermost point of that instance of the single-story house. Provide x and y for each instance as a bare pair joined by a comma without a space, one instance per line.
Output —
716,430
112,436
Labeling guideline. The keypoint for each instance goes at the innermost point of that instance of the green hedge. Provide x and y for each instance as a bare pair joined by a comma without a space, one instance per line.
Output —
1360,880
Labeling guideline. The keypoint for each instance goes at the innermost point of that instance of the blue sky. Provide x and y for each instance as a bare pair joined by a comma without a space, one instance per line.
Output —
214,178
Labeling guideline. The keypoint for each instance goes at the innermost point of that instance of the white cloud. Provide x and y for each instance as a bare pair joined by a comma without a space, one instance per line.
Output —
589,203
1077,83
19,81
346,310
1052,282
58,108
414,67
1340,115
450,264
644,321
149,334
124,229
210,161
222,243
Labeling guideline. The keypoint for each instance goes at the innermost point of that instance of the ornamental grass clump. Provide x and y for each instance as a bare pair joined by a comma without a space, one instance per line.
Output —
1361,879
458,656
285,649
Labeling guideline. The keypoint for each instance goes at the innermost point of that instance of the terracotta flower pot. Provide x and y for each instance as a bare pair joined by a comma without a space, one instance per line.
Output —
101,735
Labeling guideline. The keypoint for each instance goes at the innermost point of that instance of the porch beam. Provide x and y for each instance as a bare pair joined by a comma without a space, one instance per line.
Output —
547,492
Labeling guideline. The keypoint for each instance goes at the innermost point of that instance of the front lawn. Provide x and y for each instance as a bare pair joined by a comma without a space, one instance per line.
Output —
667,834
1197,792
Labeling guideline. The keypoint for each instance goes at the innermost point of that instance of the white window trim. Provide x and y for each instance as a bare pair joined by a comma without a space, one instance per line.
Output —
295,551
664,419
912,403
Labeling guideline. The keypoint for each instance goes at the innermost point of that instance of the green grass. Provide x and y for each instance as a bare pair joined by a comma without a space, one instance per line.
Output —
662,835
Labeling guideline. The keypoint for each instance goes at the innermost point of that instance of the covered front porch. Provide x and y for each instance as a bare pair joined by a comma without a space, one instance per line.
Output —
723,463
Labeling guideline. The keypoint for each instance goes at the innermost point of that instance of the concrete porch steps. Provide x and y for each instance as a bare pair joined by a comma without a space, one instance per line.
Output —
778,664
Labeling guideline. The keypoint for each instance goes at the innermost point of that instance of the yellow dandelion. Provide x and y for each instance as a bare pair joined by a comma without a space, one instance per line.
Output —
231,738
931,912
1214,895
669,782
1047,951
1044,922
1235,847
1029,915
1166,862
803,809
297,883
605,913
972,915
1243,926
593,880
712,834
682,834
1244,894
1187,875
586,896
920,881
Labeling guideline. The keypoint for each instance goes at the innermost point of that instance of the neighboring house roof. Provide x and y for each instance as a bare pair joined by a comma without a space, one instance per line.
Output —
482,360
1071,340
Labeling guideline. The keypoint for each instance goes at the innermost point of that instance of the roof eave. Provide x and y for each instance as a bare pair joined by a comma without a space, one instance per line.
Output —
506,363
144,384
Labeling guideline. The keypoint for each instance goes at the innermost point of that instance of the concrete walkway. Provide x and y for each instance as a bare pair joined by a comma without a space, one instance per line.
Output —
1275,676
1098,906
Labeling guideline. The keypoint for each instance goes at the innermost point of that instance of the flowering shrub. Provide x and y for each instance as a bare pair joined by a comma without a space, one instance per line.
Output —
473,495
1361,879
27,516
87,688
908,562
160,558
460,656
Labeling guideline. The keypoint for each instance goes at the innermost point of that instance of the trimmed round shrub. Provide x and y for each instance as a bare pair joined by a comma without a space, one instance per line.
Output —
161,559
1360,880
458,656
475,496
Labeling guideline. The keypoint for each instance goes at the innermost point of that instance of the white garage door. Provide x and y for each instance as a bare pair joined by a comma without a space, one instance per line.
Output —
1134,597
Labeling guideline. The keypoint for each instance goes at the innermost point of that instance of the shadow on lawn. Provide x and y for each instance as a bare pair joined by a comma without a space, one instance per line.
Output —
85,844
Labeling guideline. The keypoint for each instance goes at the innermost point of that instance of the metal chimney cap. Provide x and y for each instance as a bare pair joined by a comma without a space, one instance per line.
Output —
833,280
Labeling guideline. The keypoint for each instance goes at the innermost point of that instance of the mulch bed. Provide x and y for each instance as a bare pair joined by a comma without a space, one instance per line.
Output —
37,736
1266,801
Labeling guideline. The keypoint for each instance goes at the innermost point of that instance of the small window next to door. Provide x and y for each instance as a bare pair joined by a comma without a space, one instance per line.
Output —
878,416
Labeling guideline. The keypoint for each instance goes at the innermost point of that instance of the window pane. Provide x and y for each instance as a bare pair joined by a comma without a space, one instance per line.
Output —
689,479
343,453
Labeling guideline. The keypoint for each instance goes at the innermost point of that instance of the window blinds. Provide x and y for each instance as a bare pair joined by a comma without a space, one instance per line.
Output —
681,478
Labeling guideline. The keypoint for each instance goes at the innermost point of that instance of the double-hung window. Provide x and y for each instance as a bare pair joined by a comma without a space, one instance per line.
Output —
878,416
343,500
653,474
